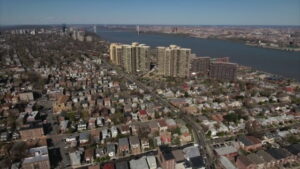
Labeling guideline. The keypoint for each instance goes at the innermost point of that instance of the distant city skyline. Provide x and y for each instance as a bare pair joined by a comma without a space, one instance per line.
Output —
167,12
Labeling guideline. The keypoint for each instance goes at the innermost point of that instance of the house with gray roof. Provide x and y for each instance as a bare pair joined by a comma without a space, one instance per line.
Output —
122,165
135,145
268,159
123,145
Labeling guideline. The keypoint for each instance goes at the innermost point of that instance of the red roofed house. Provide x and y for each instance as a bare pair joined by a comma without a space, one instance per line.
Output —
185,137
108,166
166,137
143,115
250,143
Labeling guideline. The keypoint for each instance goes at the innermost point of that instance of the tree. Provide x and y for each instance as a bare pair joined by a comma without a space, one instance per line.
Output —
156,115
208,134
71,115
85,115
176,141
117,118
234,117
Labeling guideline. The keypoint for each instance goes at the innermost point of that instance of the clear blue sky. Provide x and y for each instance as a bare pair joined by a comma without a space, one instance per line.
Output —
194,12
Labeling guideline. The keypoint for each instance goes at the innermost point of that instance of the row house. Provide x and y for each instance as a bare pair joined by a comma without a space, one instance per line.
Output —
135,145
249,143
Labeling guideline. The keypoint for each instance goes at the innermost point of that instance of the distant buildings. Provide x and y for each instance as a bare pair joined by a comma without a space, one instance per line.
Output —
134,57
223,71
81,36
173,61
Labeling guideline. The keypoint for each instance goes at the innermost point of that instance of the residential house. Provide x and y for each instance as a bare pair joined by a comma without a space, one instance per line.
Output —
124,129
294,149
104,133
107,102
63,126
166,137
84,138
81,126
114,131
122,165
95,135
26,96
153,125
185,138
171,123
60,104
281,155
257,160
269,161
89,155
4,136
243,162
92,123
108,166
100,152
143,115
123,146
99,121
162,125
111,150
145,144
135,128
134,145
249,143
157,141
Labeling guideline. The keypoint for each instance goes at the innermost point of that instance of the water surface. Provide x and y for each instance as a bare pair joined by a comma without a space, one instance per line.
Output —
284,63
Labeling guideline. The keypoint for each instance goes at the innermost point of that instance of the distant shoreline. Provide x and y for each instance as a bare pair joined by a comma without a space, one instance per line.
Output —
231,40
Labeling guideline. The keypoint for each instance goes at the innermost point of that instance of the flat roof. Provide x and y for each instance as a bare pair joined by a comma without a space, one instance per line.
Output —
139,163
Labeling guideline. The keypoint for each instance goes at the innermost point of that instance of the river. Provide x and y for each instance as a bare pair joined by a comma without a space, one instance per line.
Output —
284,63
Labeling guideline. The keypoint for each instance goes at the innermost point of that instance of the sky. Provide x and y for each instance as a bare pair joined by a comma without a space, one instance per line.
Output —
168,12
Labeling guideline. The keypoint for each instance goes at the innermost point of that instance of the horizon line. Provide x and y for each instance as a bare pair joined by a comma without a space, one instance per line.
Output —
131,24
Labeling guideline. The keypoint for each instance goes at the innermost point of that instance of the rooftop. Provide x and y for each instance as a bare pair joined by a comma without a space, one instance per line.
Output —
123,141
139,163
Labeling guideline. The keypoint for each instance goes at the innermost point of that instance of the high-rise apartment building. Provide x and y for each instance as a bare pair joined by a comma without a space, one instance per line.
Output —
129,58
134,57
173,61
200,65
143,55
223,71
116,53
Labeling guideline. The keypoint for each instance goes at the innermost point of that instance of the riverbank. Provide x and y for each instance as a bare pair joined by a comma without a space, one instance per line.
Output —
231,40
